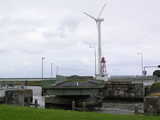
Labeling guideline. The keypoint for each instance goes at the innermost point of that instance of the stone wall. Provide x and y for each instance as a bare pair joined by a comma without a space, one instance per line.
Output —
124,90
152,105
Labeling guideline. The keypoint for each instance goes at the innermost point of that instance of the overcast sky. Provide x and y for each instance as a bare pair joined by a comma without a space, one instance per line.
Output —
58,30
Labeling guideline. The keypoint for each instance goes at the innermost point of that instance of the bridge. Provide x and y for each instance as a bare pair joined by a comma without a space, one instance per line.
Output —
146,80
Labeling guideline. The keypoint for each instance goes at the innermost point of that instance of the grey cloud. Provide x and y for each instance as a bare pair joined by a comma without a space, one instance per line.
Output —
69,24
3,51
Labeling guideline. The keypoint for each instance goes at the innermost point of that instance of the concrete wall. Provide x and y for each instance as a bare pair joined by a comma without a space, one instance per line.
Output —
22,97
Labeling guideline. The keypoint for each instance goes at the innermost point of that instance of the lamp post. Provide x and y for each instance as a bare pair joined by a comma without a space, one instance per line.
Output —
57,70
43,58
52,69
95,60
141,55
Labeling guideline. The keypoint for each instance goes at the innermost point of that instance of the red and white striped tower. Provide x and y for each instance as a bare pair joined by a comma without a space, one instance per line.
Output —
103,67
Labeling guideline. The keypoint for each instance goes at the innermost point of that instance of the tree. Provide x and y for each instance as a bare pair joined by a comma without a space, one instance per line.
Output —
156,73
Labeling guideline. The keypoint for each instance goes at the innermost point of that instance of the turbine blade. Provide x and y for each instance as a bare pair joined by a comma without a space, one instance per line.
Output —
89,15
102,9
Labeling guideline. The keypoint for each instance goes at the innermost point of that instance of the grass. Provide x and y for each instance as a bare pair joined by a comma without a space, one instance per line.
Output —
156,85
29,83
24,113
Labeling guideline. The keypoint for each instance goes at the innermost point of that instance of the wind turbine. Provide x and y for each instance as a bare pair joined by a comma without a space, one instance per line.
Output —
98,21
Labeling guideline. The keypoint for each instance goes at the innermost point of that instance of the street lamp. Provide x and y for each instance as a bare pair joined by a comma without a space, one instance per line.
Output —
57,70
43,58
94,58
52,69
141,54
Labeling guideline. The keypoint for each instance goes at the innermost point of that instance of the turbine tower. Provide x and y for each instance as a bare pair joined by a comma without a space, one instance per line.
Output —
98,21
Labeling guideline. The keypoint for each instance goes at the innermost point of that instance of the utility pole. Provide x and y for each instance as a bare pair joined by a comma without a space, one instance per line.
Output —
57,70
95,60
141,55
51,70
43,58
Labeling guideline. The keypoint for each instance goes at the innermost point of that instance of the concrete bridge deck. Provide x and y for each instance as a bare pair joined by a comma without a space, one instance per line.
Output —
146,80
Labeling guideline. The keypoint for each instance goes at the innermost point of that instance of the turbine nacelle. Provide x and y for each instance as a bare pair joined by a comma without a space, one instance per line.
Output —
99,20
